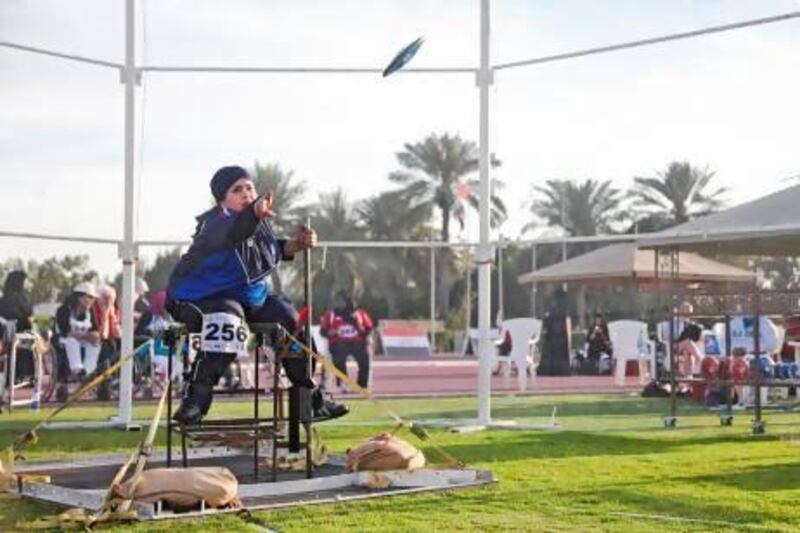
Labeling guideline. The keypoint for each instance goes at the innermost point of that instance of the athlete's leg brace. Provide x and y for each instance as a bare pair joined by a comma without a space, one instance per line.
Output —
208,367
278,309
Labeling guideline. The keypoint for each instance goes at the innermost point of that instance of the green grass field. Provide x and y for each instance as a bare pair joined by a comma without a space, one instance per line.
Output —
612,468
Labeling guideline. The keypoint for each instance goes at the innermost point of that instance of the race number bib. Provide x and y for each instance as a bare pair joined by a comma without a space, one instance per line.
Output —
347,331
223,333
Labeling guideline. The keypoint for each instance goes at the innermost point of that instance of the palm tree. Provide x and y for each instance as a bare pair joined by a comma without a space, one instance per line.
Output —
287,194
334,219
435,173
387,217
679,194
587,208
391,274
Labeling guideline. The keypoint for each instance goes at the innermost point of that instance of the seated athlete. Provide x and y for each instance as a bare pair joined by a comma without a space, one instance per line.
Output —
222,279
77,331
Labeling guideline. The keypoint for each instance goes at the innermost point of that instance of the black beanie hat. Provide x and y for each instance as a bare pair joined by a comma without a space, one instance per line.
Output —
224,178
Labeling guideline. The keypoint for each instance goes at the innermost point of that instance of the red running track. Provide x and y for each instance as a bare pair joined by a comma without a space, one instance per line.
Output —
459,375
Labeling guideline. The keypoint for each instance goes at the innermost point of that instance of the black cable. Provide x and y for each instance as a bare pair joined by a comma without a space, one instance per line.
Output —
650,41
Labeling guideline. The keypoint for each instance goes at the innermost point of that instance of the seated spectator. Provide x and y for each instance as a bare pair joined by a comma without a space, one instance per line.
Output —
156,319
77,330
6,341
142,302
598,340
16,308
107,314
108,317
14,304
6,336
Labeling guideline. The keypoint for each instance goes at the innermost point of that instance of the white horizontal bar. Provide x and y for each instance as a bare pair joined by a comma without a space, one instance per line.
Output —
71,57
301,70
577,239
353,244
648,42
58,237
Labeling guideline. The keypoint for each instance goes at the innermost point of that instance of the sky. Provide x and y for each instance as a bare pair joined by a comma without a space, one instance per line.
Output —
726,101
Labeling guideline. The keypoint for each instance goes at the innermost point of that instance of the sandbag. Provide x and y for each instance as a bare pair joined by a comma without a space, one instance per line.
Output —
384,452
185,487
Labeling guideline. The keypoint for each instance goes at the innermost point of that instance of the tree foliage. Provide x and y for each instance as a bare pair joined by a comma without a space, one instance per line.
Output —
677,195
590,207
437,172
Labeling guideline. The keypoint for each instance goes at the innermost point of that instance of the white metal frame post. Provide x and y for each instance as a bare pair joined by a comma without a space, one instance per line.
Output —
484,80
128,246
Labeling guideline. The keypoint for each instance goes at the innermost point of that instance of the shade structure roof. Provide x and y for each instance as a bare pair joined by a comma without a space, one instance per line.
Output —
766,226
621,262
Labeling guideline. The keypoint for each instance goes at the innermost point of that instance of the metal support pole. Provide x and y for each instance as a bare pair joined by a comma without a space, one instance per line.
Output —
468,310
534,263
433,300
501,311
306,398
256,401
484,80
758,423
128,248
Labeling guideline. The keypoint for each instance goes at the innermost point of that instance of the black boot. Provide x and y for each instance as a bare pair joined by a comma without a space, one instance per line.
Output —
188,414
325,408
195,404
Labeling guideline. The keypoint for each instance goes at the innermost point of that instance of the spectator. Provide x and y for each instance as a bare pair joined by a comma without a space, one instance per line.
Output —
347,328
599,341
689,354
142,303
6,337
77,330
107,315
156,319
14,304
16,308
556,331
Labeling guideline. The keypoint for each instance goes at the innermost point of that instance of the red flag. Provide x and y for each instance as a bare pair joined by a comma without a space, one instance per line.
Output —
462,190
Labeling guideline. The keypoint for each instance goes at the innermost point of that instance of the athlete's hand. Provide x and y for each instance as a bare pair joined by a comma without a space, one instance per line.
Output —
264,206
305,237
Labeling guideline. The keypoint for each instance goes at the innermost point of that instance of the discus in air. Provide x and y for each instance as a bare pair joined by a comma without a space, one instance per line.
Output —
403,56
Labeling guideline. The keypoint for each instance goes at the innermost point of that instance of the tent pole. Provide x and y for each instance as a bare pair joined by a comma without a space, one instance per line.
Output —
433,298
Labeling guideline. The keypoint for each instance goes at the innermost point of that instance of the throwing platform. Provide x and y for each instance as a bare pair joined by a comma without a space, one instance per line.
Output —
83,483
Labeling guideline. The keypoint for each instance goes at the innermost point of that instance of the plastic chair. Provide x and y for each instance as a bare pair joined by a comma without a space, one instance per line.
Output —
631,343
524,333
741,335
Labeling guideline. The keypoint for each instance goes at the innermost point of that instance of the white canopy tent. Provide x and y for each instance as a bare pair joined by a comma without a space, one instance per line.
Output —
130,74
623,262
767,226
